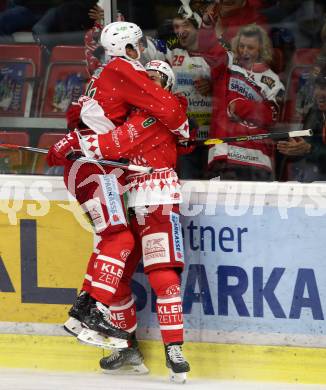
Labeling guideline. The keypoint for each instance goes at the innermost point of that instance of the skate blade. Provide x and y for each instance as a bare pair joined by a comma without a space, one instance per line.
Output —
178,377
91,337
73,326
141,369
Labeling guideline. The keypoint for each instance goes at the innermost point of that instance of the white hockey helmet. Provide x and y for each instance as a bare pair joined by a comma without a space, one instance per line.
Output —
117,35
165,69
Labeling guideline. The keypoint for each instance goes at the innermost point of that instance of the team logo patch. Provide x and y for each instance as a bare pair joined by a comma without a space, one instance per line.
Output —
156,249
148,122
94,210
177,237
268,81
173,290
124,254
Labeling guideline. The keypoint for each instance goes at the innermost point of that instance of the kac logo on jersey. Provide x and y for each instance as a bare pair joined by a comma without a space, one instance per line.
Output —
177,237
124,254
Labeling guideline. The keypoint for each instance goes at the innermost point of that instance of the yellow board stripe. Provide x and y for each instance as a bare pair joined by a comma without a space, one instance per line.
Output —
210,361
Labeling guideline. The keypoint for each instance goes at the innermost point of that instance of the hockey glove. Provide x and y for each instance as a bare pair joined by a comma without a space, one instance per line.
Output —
73,116
59,153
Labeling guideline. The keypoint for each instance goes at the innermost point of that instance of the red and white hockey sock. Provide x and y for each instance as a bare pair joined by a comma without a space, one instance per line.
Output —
166,284
123,314
170,317
107,272
109,265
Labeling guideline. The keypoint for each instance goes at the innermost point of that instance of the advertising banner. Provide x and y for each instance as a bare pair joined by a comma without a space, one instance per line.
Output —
255,253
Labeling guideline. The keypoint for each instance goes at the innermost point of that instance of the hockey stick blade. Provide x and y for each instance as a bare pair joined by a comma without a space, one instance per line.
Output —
115,164
259,137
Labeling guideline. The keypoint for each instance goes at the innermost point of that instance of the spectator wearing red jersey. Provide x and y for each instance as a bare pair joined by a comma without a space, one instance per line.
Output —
245,101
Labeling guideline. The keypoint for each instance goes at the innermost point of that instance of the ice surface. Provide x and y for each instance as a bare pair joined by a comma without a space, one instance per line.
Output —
35,380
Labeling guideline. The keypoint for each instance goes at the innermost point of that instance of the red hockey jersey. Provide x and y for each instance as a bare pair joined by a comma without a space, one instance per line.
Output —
252,94
144,141
120,85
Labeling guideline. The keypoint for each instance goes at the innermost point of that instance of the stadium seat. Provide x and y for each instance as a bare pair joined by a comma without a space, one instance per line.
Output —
20,69
305,57
68,53
302,62
65,80
20,51
48,139
39,166
13,161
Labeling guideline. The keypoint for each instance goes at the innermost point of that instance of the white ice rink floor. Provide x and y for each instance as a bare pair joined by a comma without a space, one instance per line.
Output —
35,380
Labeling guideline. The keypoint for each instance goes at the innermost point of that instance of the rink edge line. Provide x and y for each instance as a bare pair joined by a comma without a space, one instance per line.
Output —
207,360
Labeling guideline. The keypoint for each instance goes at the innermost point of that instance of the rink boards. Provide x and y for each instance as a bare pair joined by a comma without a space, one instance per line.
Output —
254,287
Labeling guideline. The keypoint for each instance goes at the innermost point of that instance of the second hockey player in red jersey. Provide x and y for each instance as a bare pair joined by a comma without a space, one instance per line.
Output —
111,94
102,112
154,203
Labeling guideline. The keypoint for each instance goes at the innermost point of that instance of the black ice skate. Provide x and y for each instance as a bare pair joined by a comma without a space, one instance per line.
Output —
100,332
176,363
125,361
78,312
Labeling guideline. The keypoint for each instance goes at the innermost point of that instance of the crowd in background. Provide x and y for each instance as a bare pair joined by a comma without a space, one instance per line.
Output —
234,60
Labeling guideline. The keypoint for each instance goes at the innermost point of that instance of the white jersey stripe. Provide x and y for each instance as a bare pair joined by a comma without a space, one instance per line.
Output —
169,300
126,306
111,260
171,327
104,287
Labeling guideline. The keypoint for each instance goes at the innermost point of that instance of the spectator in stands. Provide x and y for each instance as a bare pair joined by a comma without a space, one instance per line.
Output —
295,24
280,10
230,15
21,15
309,23
65,24
193,79
246,97
94,52
304,100
305,159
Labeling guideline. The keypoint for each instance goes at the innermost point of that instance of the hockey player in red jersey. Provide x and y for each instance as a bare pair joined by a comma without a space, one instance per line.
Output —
144,139
112,92
154,203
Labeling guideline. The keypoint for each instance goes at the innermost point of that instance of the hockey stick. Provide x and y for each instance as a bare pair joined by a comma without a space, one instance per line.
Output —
116,164
259,137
